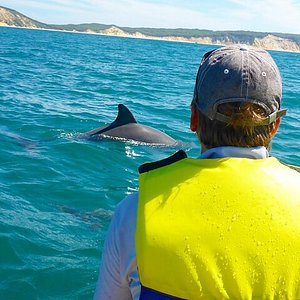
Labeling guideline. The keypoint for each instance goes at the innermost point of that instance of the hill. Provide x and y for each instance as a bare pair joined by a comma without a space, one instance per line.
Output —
266,40
10,17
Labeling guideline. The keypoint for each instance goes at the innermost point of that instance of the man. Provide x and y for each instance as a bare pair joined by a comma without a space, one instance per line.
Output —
227,225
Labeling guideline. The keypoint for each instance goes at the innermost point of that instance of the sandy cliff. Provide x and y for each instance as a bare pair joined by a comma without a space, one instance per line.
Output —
13,18
270,42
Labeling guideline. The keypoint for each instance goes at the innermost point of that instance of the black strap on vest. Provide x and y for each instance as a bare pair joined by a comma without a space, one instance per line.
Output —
162,163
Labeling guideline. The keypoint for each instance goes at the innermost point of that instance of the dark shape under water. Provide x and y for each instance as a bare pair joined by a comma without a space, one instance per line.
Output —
95,219
126,127
24,142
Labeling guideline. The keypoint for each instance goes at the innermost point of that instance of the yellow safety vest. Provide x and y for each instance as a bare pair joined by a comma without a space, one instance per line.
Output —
220,229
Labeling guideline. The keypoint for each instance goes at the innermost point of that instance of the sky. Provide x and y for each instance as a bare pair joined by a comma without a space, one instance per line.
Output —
255,15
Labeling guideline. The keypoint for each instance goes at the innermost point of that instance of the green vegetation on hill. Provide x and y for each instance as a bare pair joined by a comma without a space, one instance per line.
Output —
81,27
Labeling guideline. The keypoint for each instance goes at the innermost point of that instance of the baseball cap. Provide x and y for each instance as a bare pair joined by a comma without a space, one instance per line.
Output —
238,73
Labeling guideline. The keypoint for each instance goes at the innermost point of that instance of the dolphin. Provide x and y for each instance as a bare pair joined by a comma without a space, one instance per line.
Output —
126,127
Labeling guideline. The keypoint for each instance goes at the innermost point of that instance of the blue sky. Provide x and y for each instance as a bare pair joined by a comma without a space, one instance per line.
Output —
255,15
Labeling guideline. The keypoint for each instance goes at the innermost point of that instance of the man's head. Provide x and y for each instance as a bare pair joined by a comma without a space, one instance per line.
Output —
237,98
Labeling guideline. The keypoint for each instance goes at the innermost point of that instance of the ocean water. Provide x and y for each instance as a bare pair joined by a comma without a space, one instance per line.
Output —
58,192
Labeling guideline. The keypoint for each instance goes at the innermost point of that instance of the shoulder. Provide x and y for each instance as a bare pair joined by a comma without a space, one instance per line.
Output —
295,168
289,168
125,212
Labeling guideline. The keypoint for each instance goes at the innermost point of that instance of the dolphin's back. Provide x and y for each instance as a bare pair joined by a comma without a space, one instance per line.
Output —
126,127
140,133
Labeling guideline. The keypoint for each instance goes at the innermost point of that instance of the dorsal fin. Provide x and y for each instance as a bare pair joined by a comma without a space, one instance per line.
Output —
124,116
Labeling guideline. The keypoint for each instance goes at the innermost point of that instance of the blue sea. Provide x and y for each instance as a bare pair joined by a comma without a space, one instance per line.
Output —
58,192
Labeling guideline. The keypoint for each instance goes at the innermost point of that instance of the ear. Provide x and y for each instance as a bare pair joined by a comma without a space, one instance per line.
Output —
194,121
275,128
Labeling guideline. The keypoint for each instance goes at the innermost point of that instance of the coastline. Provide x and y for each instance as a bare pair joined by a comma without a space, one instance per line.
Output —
116,32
